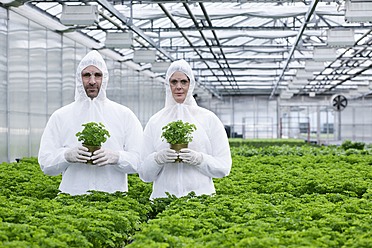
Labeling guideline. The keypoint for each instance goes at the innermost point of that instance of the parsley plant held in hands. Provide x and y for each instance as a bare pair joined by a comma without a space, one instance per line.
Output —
93,134
178,132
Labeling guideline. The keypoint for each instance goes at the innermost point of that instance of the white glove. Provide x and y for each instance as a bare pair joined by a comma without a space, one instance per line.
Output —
77,154
104,156
190,156
165,156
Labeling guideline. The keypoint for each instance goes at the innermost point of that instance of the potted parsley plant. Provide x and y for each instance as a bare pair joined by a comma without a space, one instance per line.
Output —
178,134
92,136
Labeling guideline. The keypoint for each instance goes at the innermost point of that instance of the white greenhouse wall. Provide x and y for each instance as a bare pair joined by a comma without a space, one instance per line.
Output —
3,86
37,72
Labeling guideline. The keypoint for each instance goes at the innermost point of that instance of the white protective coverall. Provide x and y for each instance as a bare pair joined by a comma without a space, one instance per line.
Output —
210,139
59,136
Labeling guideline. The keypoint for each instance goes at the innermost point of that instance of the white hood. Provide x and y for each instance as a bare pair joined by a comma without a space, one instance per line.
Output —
182,66
92,58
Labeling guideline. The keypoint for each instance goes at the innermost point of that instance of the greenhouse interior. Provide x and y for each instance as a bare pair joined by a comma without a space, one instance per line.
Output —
300,69
268,69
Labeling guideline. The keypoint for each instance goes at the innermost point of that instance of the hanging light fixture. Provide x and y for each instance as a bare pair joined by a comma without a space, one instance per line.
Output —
358,11
340,37
285,95
363,88
322,54
303,74
293,85
144,56
160,67
300,81
312,94
314,66
119,40
79,14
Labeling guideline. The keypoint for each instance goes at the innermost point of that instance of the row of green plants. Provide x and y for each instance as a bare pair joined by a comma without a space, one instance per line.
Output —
237,142
275,196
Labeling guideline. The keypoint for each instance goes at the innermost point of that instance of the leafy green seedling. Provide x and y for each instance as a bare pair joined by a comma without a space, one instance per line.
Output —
178,132
93,134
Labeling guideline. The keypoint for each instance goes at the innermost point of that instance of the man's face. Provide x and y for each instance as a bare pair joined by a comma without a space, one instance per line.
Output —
179,84
92,80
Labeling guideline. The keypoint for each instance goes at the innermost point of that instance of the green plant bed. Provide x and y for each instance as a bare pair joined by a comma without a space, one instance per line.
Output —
275,196
290,197
34,214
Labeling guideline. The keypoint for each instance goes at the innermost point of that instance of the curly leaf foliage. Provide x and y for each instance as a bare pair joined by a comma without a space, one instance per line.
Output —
93,134
178,132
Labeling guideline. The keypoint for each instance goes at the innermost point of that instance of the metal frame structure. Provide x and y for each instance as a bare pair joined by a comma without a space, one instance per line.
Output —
245,47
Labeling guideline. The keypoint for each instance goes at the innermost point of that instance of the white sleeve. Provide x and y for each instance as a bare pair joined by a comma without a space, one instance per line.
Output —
217,164
148,170
129,159
51,152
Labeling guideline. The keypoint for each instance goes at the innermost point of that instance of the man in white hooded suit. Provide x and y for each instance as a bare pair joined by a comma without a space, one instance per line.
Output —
207,156
60,151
